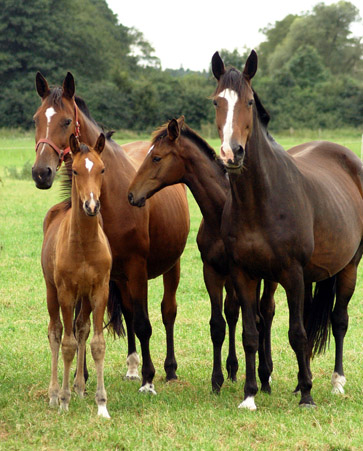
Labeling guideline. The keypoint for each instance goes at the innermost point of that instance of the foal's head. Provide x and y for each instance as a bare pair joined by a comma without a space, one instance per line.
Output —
55,120
163,165
87,173
234,99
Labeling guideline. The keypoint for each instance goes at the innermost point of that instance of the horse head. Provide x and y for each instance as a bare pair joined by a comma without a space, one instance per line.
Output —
55,120
162,166
87,173
234,100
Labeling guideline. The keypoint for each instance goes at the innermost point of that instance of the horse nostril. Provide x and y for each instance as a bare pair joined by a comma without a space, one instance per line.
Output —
131,198
238,150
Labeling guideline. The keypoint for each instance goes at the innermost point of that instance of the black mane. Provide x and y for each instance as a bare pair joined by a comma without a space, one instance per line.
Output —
188,133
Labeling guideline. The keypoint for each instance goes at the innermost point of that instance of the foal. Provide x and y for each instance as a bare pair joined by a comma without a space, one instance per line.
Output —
76,262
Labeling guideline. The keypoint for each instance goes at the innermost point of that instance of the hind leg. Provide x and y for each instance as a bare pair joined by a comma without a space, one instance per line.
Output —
84,360
168,311
267,309
346,281
82,330
231,311
55,329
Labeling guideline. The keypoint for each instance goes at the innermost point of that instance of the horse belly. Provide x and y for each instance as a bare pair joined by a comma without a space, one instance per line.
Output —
168,227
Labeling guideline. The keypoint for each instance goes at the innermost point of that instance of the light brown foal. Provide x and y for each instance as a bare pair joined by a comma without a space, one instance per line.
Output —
76,261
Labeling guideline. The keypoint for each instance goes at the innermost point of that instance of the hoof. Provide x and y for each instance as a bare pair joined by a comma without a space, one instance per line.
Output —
266,388
53,402
308,405
248,403
103,412
338,383
148,388
132,377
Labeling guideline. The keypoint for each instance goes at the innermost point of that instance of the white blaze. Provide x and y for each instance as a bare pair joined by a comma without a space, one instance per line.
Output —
231,97
151,148
49,113
89,164
92,203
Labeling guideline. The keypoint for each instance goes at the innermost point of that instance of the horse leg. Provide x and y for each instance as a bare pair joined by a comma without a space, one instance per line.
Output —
231,311
69,347
246,290
346,281
267,309
98,347
133,359
137,277
54,336
214,284
168,311
82,329
76,313
293,283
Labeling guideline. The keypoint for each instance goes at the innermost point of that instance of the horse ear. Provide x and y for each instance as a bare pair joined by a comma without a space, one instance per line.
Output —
100,144
74,144
181,121
173,130
218,68
69,87
42,86
250,66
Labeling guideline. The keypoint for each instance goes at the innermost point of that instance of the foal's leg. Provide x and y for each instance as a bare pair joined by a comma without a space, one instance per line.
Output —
168,311
82,333
214,284
76,313
54,335
231,311
69,347
346,281
137,276
98,346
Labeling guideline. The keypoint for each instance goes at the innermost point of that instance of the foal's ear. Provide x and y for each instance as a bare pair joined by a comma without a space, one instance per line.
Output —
250,66
181,121
41,85
69,86
218,68
173,130
74,144
100,144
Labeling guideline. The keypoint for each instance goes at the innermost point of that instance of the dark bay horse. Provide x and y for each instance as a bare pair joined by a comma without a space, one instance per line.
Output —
292,217
76,262
179,155
144,243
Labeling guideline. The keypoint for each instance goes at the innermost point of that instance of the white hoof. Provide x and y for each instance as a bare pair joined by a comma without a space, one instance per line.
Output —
53,402
148,388
248,403
103,412
133,362
338,383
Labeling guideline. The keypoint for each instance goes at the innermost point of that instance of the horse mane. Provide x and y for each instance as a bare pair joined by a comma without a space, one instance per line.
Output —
188,133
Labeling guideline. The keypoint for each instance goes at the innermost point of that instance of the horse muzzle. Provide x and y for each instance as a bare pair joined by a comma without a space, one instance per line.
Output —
136,203
43,177
91,207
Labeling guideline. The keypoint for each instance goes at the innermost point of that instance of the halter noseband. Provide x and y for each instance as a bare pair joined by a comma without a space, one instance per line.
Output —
62,152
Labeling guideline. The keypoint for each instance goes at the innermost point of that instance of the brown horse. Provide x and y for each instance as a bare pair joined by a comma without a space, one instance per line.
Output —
144,243
292,217
76,262
179,155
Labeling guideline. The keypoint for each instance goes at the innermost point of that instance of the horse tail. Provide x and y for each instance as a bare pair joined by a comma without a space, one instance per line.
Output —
319,315
114,311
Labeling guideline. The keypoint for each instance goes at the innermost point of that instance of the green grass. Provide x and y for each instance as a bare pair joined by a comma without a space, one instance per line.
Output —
184,414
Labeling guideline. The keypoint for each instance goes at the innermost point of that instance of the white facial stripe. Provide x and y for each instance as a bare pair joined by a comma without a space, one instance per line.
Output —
151,148
92,203
231,97
49,113
89,164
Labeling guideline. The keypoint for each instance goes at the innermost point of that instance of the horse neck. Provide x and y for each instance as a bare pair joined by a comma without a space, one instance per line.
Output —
207,182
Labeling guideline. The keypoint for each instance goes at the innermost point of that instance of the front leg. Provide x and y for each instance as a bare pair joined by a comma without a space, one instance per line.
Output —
246,289
214,284
231,311
137,277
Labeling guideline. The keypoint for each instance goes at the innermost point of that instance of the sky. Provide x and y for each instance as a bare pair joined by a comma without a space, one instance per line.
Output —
186,33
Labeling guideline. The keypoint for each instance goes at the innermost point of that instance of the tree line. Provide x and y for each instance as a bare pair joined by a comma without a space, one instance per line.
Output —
310,68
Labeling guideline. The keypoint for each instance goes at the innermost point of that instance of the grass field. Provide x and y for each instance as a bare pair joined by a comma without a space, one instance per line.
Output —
184,414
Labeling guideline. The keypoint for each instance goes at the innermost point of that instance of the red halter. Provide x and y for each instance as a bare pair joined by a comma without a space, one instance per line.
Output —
62,152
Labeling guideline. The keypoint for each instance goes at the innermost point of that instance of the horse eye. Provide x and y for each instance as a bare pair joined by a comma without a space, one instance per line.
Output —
156,159
103,170
250,103
74,172
67,122
215,103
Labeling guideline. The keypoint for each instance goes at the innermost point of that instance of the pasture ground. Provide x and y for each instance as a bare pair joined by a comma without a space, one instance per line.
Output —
184,414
